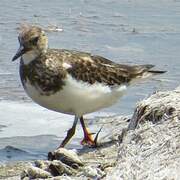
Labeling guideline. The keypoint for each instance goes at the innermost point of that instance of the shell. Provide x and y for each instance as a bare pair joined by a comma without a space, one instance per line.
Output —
68,157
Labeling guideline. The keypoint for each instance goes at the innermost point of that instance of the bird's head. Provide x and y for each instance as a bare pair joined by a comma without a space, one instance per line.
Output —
33,42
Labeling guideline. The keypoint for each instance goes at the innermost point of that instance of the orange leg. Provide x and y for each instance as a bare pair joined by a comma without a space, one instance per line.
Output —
88,139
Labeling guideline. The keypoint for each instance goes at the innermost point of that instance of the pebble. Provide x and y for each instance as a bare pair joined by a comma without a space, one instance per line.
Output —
68,157
58,168
34,173
93,172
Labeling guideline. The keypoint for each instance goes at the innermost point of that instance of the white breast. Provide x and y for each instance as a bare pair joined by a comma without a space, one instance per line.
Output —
77,97
29,56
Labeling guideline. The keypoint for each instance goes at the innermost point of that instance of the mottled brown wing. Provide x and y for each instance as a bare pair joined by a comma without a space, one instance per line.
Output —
93,69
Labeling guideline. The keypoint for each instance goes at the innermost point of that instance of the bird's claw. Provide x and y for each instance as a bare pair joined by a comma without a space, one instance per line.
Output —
96,138
91,142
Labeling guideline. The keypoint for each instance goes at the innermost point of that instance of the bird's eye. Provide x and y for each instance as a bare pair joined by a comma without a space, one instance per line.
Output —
35,40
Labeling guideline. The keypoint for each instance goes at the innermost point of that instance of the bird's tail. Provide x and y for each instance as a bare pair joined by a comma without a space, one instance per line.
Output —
145,71
156,72
150,71
147,68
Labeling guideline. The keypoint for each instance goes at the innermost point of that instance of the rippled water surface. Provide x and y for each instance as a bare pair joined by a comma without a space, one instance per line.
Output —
135,32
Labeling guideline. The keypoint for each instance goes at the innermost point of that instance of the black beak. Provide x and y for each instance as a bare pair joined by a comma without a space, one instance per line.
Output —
19,53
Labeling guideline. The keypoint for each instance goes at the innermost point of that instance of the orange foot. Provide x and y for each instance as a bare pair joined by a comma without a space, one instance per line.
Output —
88,139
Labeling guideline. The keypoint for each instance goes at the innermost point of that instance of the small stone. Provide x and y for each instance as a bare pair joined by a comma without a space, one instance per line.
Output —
68,157
42,164
24,174
35,172
58,168
90,172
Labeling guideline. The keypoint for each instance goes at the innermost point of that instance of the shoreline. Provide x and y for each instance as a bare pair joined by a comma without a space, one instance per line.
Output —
146,147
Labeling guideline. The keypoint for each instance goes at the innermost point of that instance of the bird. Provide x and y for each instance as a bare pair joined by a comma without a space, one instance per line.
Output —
70,81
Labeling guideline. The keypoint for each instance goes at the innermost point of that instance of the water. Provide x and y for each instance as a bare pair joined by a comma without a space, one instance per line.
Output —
135,32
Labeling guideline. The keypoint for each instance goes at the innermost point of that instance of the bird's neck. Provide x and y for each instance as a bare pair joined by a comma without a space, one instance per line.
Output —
30,56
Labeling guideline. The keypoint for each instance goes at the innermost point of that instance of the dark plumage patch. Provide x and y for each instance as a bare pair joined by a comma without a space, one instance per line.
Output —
94,69
47,78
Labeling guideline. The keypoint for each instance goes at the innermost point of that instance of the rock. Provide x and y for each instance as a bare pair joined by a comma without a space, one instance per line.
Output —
58,168
93,172
42,164
68,157
24,175
160,106
35,172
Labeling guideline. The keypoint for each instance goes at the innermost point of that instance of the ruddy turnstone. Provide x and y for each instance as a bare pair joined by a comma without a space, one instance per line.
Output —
72,82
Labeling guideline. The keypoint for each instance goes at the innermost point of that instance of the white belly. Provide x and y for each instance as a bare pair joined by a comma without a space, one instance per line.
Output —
77,97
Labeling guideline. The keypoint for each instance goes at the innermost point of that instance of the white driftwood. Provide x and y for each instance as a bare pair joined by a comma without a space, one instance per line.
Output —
160,106
152,151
